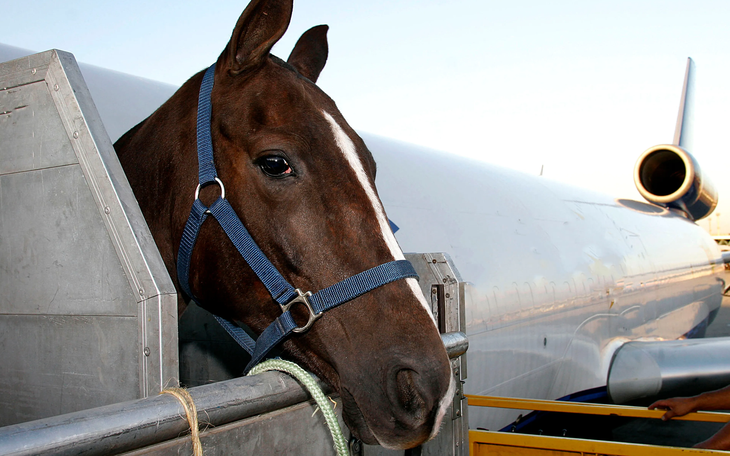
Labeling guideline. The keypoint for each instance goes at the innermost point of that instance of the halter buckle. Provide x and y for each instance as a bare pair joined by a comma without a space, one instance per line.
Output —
302,298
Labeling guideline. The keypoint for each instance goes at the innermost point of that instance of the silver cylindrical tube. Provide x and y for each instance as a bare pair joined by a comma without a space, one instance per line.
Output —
668,368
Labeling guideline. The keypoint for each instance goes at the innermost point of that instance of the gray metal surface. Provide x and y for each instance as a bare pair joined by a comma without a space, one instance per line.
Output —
456,343
87,309
207,352
669,368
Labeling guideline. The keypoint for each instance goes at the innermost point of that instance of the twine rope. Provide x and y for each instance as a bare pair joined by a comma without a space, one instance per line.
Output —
191,412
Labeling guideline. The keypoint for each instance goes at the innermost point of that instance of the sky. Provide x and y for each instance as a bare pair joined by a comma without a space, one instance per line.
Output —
578,89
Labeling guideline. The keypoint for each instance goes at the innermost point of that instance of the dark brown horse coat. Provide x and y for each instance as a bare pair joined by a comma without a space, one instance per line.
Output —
302,182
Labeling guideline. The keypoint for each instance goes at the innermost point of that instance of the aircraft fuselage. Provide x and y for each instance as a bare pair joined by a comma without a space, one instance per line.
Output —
560,276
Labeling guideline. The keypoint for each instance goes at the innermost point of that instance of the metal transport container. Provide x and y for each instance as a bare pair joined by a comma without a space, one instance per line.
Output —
87,309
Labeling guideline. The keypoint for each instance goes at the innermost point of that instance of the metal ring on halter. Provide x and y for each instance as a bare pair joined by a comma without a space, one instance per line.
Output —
302,298
220,184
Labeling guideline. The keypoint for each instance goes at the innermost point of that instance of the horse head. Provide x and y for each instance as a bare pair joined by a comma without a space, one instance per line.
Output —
302,182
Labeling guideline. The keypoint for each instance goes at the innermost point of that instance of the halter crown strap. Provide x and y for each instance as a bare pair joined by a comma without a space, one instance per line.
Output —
281,291
206,164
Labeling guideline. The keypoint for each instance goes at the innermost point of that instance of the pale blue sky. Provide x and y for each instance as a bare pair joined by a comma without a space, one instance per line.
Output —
577,86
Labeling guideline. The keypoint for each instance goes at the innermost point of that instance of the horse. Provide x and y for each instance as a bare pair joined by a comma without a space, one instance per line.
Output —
302,183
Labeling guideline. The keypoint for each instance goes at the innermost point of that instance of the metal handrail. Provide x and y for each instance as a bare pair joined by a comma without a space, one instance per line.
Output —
484,442
127,426
589,409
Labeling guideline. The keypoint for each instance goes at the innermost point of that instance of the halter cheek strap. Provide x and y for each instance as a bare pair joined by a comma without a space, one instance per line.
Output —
281,291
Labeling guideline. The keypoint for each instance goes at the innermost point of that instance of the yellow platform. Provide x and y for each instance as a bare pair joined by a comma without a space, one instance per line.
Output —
508,443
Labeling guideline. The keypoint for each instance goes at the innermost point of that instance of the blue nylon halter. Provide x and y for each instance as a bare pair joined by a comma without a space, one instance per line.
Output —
281,291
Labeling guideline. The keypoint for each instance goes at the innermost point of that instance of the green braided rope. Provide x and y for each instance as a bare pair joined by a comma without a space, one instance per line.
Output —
306,379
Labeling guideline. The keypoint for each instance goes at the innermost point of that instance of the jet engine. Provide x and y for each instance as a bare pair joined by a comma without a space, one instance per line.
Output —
669,176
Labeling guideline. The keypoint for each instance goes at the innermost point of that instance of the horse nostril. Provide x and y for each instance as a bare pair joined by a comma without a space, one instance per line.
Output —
409,394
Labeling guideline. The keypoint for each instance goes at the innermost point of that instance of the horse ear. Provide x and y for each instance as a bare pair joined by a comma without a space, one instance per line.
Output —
310,53
260,26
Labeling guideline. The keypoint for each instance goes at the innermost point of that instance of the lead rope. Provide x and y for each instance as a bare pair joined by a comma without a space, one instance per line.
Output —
311,385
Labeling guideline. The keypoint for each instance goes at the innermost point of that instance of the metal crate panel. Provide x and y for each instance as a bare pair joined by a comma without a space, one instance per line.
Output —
88,313
57,257
48,369
28,127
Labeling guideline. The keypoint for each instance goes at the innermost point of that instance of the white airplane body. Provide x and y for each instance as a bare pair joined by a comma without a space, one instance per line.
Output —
560,277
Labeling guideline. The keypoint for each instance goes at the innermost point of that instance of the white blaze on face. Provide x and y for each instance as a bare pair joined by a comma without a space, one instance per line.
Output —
348,150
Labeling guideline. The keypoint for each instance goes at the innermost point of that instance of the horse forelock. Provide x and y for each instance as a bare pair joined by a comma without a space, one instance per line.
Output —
272,59
283,63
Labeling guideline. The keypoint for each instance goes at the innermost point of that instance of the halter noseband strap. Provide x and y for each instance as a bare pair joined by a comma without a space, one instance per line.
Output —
281,291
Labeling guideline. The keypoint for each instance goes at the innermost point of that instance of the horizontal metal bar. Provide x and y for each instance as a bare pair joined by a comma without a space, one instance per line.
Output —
456,343
135,424
483,442
589,409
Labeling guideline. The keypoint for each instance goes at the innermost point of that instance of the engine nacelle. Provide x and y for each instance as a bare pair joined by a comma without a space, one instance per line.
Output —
669,176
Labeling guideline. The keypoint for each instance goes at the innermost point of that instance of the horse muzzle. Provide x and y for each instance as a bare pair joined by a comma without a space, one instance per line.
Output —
406,411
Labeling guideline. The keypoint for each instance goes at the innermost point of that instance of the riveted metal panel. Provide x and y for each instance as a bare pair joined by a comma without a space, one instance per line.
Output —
29,122
87,311
57,257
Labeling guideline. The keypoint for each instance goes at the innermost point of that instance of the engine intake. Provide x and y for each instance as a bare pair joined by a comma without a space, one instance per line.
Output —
669,176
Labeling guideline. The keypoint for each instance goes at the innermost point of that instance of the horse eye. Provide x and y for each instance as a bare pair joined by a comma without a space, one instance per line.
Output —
274,166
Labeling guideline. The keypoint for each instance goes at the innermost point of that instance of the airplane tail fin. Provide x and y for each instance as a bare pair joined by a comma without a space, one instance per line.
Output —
668,175
684,131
